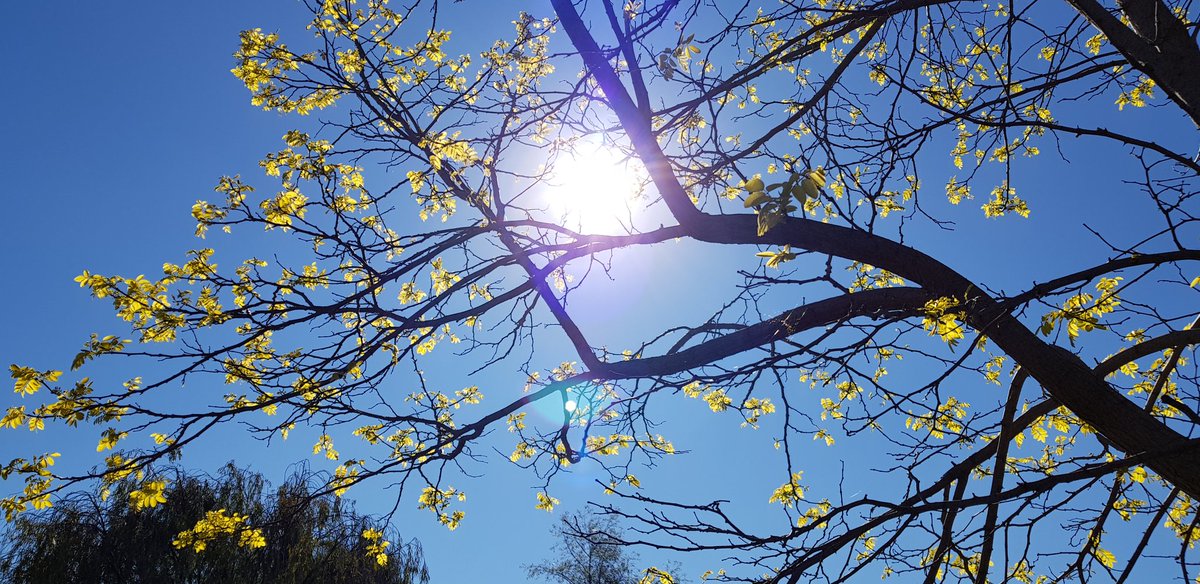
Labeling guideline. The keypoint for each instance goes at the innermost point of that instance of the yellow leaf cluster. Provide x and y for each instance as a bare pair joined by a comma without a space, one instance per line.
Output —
790,493
438,502
946,418
29,380
376,546
717,400
1082,312
1005,200
654,575
545,502
942,319
148,495
217,524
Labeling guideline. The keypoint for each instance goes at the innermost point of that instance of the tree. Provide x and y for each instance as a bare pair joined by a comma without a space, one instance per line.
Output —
808,133
587,553
301,537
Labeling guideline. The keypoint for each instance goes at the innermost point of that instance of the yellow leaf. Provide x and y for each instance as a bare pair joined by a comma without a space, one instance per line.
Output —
1039,433
545,502
1138,474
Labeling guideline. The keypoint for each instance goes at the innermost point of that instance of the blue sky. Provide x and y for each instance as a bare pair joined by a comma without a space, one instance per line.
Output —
119,118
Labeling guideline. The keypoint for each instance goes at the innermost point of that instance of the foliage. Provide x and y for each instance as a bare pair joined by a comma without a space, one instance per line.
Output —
862,134
303,537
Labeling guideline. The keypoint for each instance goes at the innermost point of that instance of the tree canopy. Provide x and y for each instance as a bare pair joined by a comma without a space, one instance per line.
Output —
587,552
838,206
290,535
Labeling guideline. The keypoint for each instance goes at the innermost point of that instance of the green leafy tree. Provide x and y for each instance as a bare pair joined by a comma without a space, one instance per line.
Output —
808,176
305,536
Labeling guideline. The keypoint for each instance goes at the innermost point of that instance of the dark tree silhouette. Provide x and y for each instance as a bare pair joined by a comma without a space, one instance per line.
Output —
308,538
587,552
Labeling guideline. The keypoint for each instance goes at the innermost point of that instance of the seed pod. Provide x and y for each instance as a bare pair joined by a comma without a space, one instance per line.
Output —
754,184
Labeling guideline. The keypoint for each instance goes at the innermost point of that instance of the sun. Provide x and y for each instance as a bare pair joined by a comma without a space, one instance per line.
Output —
592,188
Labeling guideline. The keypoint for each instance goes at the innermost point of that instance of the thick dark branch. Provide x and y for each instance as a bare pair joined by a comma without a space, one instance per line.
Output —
887,302
1064,376
1158,45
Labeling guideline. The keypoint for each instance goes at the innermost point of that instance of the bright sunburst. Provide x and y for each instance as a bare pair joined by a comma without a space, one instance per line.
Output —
591,188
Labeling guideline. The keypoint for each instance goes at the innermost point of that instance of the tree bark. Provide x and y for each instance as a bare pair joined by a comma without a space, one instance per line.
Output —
1155,43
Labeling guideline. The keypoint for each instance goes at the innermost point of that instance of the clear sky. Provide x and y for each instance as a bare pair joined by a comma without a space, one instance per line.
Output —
119,116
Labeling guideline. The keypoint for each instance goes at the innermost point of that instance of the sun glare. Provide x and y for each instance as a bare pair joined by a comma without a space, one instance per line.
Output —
592,190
